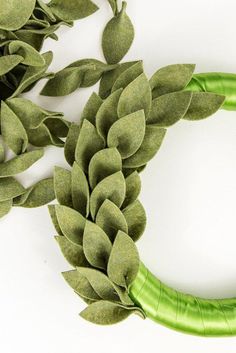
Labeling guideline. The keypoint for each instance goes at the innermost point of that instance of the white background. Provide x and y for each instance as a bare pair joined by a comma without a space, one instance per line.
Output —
189,193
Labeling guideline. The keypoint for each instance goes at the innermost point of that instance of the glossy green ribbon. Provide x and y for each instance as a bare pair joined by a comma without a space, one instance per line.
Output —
216,82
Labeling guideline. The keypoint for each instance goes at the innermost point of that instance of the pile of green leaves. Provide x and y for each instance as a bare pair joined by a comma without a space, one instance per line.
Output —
23,29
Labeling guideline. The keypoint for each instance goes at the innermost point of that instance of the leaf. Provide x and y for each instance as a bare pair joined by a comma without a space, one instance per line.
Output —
136,96
114,6
111,188
20,163
127,133
96,245
10,188
171,78
70,144
52,212
107,113
111,219
136,219
13,16
203,104
13,132
80,284
71,10
71,223
91,108
117,37
152,142
80,190
5,207
62,186
169,108
127,76
31,56
133,188
104,163
2,153
73,253
8,62
89,142
123,263
41,137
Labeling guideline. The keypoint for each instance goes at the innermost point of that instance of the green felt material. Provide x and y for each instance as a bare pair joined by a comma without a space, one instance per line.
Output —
70,10
13,16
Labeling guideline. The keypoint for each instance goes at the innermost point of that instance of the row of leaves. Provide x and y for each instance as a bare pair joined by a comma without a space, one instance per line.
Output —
99,216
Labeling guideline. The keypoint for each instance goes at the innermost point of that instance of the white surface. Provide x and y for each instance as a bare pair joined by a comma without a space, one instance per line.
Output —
189,194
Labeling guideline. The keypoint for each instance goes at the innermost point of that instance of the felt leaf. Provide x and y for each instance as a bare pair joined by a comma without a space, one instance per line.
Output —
62,186
104,163
42,136
89,142
71,10
46,9
133,188
31,56
136,219
114,6
52,212
171,78
8,62
80,190
70,144
111,219
169,108
203,104
104,312
96,245
10,188
117,37
91,108
107,113
20,163
151,143
136,96
127,76
71,223
13,132
127,133
73,253
13,16
123,263
80,284
2,153
111,188
5,207
109,78
124,296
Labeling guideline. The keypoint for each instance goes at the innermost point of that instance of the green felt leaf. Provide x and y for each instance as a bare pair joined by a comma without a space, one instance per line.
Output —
114,6
13,132
128,75
117,37
96,245
111,188
91,108
104,163
107,113
71,10
169,108
70,144
80,284
46,9
127,133
42,136
203,105
2,153
136,96
73,253
8,62
62,186
123,263
20,163
124,296
133,188
80,190
10,188
89,142
71,223
136,219
111,219
5,207
13,16
31,56
171,78
100,283
152,142
52,212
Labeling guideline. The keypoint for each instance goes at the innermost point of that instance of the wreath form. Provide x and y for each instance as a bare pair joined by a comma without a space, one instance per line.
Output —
99,217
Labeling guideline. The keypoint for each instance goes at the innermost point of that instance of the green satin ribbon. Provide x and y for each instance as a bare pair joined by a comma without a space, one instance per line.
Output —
216,82
182,312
